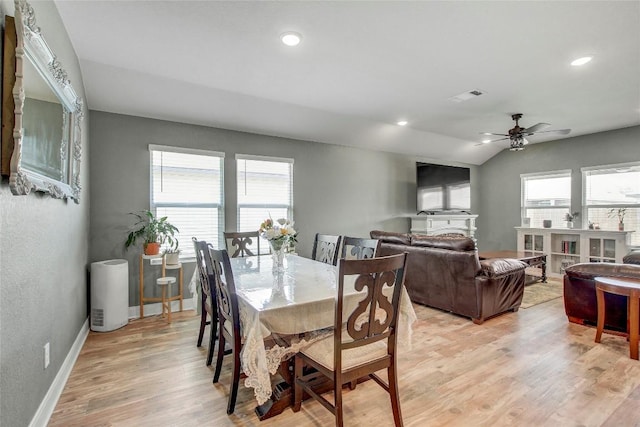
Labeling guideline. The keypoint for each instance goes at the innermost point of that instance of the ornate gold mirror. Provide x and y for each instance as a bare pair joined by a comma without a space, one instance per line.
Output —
47,116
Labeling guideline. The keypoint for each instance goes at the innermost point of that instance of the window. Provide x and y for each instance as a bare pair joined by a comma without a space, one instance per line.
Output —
186,186
265,189
546,196
613,187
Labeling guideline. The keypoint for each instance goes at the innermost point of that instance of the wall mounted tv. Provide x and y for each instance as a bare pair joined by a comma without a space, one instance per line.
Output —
443,188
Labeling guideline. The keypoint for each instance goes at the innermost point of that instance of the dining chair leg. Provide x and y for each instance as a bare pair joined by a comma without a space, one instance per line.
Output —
393,393
212,343
221,343
203,324
234,383
337,401
297,388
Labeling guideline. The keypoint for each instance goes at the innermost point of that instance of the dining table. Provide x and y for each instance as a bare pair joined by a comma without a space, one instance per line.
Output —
281,312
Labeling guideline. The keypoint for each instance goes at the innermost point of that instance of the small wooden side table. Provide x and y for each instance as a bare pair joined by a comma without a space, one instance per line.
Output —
165,267
625,287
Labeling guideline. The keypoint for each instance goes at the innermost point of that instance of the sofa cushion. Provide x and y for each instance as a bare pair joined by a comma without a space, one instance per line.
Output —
391,237
454,243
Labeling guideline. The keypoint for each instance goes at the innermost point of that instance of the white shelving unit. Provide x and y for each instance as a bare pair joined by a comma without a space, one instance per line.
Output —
565,246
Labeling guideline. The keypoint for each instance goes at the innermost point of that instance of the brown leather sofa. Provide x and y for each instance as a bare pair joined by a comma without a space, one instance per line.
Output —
444,272
580,293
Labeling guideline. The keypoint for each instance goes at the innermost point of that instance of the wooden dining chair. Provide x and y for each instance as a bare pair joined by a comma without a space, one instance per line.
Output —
228,320
357,248
365,343
238,243
208,306
326,248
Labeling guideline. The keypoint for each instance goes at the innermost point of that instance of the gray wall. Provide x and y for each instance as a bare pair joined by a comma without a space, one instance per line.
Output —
337,189
43,258
499,177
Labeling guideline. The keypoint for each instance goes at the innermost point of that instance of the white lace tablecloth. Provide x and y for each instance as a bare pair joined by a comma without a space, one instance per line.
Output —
302,299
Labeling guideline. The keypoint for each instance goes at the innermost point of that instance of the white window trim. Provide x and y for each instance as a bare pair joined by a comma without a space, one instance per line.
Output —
548,174
585,171
184,150
263,158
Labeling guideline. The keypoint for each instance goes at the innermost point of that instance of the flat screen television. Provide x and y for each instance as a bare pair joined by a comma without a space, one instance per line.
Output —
443,188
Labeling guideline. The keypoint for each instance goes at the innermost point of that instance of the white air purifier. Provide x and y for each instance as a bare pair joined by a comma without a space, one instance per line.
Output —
109,295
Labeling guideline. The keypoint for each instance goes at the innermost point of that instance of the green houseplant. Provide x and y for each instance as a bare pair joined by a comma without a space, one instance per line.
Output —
153,232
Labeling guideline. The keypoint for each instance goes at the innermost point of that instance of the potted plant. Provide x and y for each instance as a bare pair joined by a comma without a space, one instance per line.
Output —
569,217
620,213
172,254
153,232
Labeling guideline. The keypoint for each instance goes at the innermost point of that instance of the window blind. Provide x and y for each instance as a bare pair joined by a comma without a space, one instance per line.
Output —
187,187
265,189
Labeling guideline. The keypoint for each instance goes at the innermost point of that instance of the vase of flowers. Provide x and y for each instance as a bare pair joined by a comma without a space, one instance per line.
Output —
620,213
280,234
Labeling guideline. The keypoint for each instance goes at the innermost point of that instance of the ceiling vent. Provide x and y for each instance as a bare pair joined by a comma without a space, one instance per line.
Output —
465,96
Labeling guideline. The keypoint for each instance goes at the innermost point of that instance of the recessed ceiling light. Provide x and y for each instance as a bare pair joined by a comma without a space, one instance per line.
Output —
581,61
402,123
290,38
486,141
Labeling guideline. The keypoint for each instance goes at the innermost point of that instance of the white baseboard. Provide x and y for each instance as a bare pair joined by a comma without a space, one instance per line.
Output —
156,308
48,404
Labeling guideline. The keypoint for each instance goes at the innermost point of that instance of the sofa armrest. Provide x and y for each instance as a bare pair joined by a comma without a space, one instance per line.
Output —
498,267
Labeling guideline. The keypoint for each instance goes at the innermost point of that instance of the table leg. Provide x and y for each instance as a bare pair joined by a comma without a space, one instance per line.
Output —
634,318
543,266
600,302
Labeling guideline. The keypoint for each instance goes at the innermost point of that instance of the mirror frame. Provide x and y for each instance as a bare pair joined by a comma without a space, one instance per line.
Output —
31,46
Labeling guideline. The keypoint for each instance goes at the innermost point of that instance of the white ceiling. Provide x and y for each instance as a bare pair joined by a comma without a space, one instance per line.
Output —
362,66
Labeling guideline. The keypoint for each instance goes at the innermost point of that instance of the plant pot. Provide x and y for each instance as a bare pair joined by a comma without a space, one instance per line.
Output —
172,258
152,248
621,226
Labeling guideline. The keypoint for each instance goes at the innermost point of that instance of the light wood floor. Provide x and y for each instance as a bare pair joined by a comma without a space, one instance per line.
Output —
530,368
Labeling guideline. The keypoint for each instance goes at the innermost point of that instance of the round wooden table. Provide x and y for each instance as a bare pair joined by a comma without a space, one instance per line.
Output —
625,287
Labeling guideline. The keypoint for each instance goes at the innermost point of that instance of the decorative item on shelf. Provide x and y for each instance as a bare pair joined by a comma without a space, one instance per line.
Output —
153,231
546,223
280,235
620,213
526,222
569,217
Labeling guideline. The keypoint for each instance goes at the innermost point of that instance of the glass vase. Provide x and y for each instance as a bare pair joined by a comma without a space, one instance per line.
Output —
277,254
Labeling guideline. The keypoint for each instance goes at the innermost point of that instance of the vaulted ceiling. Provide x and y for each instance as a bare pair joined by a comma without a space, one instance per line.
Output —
362,66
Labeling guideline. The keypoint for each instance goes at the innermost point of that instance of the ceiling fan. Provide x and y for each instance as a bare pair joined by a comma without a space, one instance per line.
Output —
517,134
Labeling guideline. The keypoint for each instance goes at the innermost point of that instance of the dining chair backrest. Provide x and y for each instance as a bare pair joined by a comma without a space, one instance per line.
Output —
240,244
227,299
228,321
376,315
326,248
357,248
207,294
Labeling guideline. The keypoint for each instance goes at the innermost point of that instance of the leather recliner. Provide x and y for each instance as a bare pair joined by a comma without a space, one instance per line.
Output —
444,272
580,303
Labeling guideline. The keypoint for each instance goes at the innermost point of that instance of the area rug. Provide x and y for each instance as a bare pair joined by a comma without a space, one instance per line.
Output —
541,292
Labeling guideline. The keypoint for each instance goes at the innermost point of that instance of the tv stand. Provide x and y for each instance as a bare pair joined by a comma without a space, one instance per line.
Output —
443,223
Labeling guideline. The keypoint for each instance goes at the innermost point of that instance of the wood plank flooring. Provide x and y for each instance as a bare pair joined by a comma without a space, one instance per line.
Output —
530,368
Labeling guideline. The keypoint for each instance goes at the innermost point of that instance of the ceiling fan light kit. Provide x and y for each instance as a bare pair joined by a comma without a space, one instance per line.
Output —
516,135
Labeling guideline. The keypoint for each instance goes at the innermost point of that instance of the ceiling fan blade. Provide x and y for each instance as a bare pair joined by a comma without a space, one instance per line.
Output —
496,134
489,142
535,128
558,131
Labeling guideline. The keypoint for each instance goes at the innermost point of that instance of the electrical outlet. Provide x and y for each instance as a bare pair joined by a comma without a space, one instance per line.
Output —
46,356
